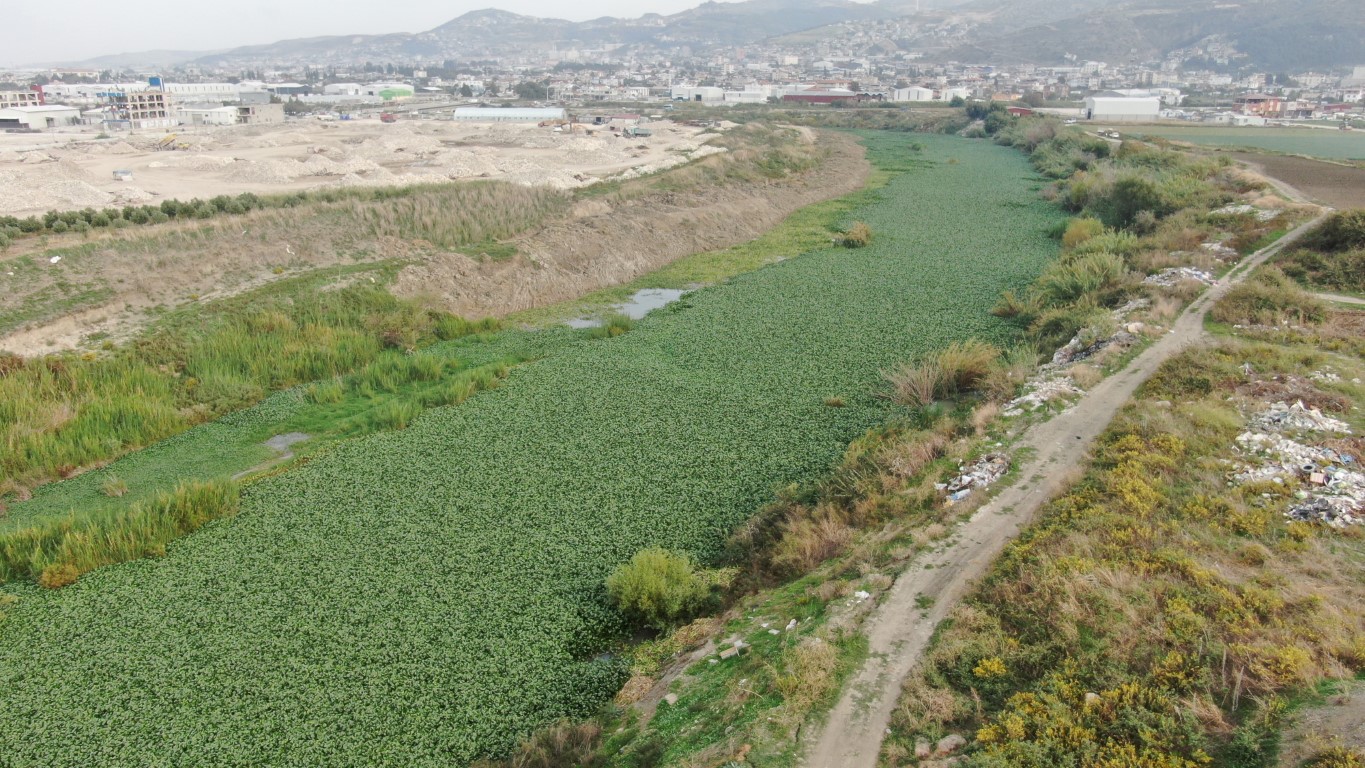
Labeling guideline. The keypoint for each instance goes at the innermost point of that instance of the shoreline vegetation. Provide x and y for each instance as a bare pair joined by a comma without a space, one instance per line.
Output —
814,559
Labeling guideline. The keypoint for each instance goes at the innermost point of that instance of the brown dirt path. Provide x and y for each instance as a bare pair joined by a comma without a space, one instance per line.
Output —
1339,299
900,629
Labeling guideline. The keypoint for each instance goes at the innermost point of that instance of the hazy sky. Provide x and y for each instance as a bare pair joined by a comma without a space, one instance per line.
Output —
83,29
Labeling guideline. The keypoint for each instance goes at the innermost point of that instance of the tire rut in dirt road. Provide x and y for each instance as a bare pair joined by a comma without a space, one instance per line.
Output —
900,629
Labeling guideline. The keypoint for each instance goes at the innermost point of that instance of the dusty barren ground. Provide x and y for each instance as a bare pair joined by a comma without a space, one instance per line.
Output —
73,171
1339,186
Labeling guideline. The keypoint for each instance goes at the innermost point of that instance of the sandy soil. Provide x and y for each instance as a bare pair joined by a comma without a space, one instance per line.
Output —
112,289
603,246
1340,186
1340,721
73,171
900,629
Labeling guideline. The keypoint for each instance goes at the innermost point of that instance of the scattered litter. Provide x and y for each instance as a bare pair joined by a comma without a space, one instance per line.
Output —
1177,275
1248,210
980,474
774,632
791,625
1282,417
1041,393
54,259
861,595
1334,492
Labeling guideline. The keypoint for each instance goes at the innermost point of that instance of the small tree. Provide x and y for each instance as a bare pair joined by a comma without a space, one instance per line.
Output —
657,588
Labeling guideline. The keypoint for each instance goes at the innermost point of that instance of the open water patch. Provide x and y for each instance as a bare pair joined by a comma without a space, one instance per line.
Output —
641,303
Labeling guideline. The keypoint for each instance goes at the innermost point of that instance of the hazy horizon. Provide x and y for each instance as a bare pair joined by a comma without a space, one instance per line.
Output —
141,25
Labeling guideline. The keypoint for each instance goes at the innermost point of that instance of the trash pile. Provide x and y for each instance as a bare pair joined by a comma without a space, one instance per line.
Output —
982,473
1053,380
1282,417
1040,393
1262,215
1333,486
1177,275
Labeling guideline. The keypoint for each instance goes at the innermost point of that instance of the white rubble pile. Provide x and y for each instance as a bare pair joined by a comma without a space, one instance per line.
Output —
1041,393
1262,215
1053,380
1334,486
1177,275
982,473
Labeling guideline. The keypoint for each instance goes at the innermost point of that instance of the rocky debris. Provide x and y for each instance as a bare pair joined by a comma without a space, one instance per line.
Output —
1177,275
1282,417
1261,215
923,749
1221,252
1040,394
949,744
982,473
670,698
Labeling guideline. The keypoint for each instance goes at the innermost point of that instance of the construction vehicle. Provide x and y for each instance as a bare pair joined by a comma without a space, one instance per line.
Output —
168,143
388,117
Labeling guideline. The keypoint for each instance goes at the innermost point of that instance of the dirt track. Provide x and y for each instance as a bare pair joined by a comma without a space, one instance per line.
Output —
899,630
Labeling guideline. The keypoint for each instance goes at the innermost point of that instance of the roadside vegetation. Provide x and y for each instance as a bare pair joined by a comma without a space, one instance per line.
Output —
1185,614
1333,258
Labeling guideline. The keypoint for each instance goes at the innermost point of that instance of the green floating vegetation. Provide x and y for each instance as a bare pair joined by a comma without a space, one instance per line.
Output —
428,596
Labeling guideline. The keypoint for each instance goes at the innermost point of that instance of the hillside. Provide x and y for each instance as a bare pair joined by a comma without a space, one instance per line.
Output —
1275,35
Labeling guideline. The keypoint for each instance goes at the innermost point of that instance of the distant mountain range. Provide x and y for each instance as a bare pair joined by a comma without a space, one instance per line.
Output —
1276,35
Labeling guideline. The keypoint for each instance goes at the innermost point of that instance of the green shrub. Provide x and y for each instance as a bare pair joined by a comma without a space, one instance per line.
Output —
1268,298
1343,231
613,325
1092,276
657,588
1126,198
1081,230
857,236
1339,271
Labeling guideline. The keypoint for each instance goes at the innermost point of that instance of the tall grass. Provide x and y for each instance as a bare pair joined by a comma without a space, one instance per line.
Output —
62,413
55,552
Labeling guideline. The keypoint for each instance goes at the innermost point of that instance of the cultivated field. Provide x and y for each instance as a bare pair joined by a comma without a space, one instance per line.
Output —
426,596
38,174
1313,142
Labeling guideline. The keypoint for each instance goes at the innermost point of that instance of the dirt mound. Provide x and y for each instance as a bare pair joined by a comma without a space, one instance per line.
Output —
596,250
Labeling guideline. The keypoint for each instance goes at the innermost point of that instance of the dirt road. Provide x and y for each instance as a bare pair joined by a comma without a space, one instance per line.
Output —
1339,299
900,629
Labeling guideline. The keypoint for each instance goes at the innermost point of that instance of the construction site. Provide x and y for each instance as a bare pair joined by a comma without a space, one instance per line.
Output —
70,171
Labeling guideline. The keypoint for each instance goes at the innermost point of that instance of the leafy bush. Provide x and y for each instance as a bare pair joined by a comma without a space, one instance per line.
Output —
1268,298
1094,276
1339,271
657,588
1081,230
857,236
1343,231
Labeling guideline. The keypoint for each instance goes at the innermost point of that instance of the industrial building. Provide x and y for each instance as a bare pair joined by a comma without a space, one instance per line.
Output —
260,114
38,118
822,96
1112,107
508,115
913,93
207,115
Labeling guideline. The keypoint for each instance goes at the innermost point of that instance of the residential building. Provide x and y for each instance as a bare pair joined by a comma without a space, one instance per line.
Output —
20,99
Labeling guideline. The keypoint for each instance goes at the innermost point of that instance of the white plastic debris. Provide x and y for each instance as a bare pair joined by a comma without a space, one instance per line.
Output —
54,259
982,473
1282,417
1177,275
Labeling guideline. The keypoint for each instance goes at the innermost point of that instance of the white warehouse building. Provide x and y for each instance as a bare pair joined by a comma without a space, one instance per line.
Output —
913,93
39,118
1116,108
507,115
